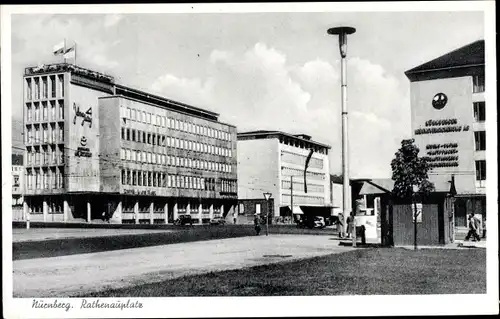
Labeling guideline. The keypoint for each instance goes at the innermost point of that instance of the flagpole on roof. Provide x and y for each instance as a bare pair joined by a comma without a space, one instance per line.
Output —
75,52
64,51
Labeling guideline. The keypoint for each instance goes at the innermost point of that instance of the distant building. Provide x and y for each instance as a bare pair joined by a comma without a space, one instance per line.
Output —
17,186
337,195
100,150
448,123
270,161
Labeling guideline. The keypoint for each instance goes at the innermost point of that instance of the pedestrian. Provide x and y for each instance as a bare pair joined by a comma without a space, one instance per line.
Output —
350,220
340,225
234,217
256,222
484,228
474,225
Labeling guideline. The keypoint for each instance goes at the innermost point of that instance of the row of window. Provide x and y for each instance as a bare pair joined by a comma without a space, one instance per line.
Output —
45,155
48,133
287,172
54,205
228,185
40,86
303,145
52,178
292,158
143,206
162,159
481,170
176,124
303,199
166,141
45,111
159,207
163,180
478,83
479,111
480,140
300,187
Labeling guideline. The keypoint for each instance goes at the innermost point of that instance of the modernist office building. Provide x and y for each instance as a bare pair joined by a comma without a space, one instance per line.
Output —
97,149
269,161
448,124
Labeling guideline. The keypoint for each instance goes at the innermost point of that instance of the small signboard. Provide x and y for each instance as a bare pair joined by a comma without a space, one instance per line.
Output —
418,212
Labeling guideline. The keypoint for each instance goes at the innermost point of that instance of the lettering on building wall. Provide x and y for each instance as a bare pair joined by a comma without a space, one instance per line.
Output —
83,152
139,192
441,126
86,117
441,155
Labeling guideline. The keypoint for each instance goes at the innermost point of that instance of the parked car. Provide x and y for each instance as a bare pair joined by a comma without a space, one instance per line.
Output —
217,220
184,220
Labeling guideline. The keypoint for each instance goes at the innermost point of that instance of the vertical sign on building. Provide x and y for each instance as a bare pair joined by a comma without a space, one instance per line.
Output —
83,139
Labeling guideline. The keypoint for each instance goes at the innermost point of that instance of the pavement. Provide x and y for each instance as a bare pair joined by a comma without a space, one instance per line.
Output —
36,234
73,275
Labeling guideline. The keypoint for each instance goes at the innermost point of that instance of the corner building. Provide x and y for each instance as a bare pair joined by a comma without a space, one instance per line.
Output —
96,149
448,123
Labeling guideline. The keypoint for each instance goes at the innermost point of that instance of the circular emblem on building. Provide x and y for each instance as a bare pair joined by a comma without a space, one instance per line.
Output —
83,141
439,101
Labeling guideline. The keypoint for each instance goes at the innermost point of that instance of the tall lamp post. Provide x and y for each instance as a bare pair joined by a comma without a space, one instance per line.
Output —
415,215
342,32
267,196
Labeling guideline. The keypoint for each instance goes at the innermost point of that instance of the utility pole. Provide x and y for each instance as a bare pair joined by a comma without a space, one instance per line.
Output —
342,32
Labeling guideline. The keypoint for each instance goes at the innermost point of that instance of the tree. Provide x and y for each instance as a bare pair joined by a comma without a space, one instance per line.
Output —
409,172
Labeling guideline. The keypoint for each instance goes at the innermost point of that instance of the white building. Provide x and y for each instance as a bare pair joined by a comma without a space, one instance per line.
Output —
269,161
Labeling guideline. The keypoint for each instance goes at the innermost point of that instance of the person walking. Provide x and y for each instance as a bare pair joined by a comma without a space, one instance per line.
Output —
350,220
256,222
340,225
474,225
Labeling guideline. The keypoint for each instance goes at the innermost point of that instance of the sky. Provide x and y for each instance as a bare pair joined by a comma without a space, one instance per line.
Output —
271,71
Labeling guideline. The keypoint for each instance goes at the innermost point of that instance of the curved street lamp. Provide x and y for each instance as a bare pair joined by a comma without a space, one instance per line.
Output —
342,32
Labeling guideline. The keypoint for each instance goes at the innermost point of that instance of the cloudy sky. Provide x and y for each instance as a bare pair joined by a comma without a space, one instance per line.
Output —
275,71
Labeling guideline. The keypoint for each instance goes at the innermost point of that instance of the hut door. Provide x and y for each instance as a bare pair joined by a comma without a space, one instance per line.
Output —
441,224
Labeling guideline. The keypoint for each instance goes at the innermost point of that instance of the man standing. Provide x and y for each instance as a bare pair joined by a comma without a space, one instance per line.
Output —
256,222
340,225
474,225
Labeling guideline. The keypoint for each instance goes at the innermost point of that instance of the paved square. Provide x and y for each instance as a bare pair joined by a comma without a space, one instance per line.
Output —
77,274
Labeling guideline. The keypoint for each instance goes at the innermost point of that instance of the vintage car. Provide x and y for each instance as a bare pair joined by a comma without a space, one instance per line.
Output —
217,220
184,220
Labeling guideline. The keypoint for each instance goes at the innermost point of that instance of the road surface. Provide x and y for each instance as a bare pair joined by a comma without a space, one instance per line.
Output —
72,275
35,234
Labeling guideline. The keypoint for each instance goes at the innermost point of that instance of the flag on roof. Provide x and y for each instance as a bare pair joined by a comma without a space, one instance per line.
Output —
70,53
58,49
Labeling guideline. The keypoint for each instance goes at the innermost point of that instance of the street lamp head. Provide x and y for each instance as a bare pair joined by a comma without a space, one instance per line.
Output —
342,32
267,195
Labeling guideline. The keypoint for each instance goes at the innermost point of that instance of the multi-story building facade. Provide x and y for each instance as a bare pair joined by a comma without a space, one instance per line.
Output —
96,149
17,186
270,161
448,124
